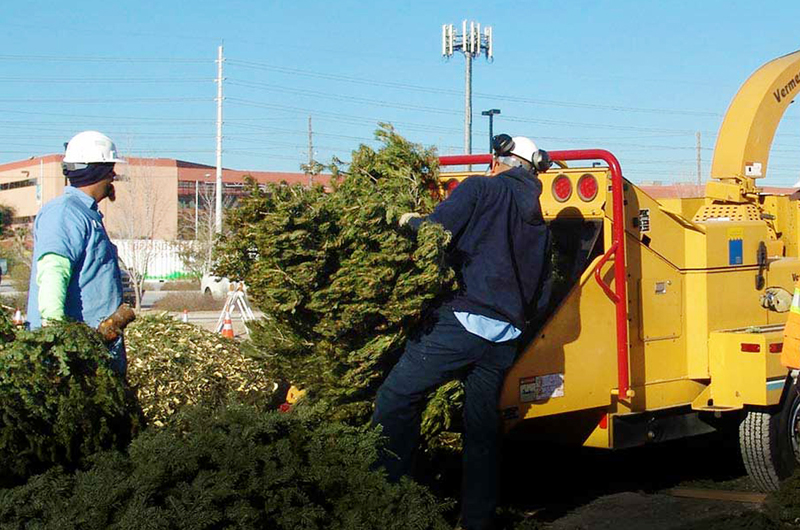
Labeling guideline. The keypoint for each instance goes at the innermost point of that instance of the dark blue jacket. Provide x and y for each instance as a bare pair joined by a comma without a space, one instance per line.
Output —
499,245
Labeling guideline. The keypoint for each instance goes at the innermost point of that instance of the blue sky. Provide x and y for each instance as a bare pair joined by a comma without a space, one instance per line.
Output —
637,78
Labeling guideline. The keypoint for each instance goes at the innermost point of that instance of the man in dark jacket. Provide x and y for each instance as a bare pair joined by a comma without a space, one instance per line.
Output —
499,250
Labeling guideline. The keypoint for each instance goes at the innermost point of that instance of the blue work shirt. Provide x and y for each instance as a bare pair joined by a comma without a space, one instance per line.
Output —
72,226
487,328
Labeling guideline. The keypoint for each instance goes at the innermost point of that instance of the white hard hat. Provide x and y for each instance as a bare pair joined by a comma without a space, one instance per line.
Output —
91,147
524,148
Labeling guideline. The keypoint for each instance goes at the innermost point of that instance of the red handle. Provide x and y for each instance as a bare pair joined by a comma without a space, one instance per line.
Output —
617,248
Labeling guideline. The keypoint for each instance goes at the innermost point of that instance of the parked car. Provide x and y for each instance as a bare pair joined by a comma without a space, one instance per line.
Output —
214,286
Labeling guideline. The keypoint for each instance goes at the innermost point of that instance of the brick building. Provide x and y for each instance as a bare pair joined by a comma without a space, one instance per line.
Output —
157,198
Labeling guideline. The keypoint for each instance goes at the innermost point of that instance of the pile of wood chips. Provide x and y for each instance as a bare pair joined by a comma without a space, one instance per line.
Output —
172,364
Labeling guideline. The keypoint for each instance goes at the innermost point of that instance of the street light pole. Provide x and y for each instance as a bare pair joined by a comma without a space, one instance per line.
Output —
491,113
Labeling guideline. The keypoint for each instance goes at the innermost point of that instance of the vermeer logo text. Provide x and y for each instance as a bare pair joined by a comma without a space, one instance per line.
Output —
788,89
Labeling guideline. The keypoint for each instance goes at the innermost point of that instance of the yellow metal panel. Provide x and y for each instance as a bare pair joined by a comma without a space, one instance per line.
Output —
574,206
746,378
777,213
687,207
746,134
660,307
696,310
721,244
662,395
578,344
655,316
727,212
724,191
717,300
733,300
646,221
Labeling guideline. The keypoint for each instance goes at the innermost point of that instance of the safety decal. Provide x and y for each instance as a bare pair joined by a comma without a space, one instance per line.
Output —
644,220
735,246
541,387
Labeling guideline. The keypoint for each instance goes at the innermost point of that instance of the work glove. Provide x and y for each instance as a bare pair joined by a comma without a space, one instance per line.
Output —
776,299
406,217
112,327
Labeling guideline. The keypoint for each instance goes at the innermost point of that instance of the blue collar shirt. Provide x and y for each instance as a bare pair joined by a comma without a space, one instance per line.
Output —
72,226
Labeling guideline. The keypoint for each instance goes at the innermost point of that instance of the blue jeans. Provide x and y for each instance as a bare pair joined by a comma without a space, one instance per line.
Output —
444,352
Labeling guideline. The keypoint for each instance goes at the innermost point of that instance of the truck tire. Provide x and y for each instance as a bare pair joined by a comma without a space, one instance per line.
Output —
770,440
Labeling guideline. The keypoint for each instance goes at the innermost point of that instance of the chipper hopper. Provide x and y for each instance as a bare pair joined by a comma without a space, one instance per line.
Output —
666,317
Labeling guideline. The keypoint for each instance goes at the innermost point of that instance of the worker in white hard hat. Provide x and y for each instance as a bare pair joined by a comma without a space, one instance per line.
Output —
75,273
499,249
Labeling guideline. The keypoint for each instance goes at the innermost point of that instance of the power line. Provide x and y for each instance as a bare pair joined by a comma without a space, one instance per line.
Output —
328,95
502,97
134,118
436,110
80,101
103,80
112,132
96,59
349,118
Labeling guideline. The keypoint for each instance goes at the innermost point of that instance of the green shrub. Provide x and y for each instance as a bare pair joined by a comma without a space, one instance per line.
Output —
59,400
233,468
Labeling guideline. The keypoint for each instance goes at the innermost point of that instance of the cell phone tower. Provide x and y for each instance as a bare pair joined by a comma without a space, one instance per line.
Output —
472,43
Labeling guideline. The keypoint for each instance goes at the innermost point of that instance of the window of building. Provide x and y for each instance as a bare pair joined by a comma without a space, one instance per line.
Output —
17,184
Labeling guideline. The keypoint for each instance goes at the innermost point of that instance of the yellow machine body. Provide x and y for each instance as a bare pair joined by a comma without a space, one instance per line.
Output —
699,339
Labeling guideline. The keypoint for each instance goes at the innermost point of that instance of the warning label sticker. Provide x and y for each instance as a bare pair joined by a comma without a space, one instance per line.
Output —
541,387
644,220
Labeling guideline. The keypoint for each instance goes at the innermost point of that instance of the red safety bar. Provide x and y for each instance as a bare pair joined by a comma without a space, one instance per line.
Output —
616,251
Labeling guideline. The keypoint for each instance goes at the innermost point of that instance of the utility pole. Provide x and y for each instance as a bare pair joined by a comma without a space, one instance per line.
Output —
197,204
471,42
699,178
218,202
310,155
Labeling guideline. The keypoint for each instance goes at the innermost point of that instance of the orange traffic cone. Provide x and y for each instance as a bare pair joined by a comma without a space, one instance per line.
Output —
185,316
227,326
18,318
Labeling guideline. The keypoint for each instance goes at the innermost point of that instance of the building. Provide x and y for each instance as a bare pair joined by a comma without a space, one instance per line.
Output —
157,198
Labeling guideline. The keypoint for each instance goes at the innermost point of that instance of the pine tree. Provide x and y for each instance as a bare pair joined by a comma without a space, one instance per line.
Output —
233,467
59,400
341,283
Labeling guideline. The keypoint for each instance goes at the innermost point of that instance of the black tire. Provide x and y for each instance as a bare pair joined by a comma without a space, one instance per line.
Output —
770,441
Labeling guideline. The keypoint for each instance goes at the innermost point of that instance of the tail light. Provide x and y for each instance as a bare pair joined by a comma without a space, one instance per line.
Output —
587,187
562,188
751,348
776,347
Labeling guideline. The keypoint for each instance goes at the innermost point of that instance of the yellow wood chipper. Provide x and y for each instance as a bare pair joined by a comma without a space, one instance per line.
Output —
666,317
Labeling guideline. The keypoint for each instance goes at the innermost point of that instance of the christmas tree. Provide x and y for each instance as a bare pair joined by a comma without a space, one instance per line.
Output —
341,283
